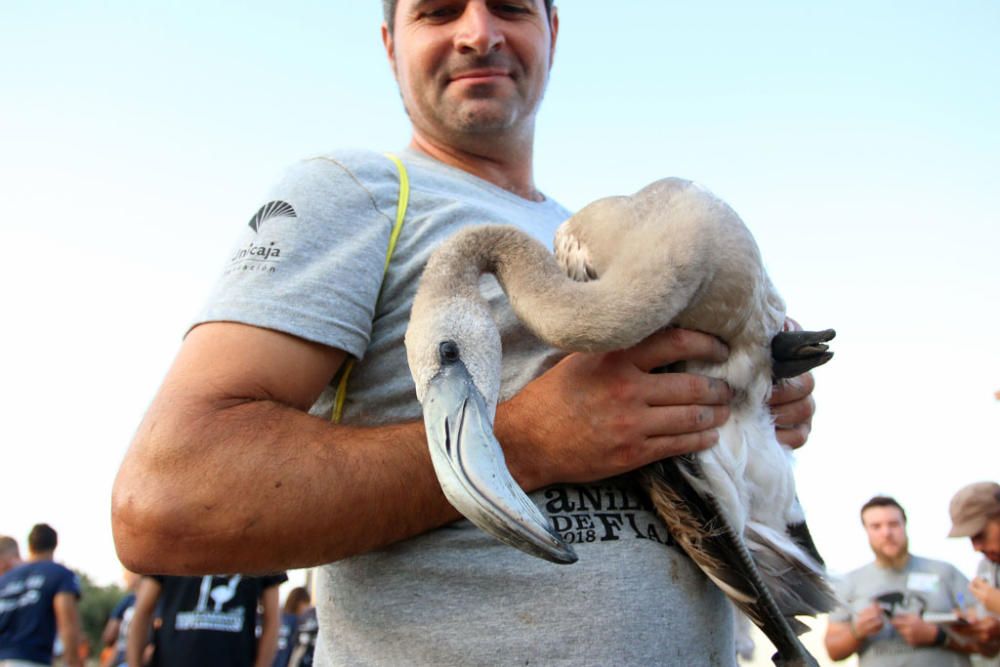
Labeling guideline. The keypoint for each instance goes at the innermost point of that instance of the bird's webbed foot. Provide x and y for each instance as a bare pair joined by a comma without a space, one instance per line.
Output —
795,352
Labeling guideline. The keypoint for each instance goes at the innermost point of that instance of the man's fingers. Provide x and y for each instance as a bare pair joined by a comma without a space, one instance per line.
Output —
792,389
680,419
684,388
673,345
665,446
793,437
789,415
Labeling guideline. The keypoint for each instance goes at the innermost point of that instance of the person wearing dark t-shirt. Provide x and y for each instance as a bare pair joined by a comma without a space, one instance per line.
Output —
208,621
305,641
37,598
296,604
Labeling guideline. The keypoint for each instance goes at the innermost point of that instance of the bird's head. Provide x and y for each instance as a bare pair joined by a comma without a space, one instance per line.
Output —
454,342
453,349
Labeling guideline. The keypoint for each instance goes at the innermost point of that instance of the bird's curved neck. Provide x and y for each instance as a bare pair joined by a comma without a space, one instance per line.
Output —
581,316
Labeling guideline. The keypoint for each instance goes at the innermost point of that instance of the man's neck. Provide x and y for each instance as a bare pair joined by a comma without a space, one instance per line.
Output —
40,556
897,563
509,168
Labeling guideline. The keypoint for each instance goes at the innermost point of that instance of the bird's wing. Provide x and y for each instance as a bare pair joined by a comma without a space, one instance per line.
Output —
698,524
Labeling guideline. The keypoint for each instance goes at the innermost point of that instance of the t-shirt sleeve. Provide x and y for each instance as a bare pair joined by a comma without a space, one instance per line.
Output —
310,260
272,580
69,582
122,606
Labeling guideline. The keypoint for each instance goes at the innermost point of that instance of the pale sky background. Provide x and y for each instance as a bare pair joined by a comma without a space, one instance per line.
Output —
860,141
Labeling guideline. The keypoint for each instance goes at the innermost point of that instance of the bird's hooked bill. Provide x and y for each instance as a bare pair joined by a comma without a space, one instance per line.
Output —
472,471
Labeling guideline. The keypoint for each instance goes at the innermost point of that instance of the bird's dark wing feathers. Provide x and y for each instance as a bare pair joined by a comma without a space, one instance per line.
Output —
699,526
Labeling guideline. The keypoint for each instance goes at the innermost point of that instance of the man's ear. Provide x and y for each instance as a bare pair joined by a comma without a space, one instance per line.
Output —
390,47
554,28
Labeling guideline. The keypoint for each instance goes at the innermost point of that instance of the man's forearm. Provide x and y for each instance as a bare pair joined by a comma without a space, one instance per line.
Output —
135,641
258,487
841,642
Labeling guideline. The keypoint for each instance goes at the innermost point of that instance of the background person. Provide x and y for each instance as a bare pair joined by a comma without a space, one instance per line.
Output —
884,600
296,604
38,599
975,513
10,555
207,621
115,634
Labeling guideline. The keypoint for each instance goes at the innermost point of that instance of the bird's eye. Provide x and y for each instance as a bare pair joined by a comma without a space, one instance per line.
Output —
448,351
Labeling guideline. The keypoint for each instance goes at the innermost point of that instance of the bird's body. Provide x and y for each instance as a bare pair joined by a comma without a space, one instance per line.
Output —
670,255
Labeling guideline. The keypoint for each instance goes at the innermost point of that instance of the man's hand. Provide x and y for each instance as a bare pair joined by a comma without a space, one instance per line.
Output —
914,630
979,635
792,404
594,416
793,407
986,594
868,622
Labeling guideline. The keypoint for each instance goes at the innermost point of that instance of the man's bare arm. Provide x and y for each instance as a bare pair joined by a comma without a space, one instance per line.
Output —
68,622
228,473
146,595
270,622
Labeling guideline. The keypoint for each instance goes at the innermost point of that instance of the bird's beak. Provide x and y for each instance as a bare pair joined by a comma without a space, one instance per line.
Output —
472,471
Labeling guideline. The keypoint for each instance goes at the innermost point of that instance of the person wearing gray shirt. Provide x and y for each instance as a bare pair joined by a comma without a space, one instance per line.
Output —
228,463
884,602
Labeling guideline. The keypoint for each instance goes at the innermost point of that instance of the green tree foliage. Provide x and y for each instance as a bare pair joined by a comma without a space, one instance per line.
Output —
96,603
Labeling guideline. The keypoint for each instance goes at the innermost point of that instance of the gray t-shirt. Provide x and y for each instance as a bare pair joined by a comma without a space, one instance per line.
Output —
922,585
311,265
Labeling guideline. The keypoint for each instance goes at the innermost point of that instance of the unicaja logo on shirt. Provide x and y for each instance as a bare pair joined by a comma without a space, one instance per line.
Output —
261,255
273,209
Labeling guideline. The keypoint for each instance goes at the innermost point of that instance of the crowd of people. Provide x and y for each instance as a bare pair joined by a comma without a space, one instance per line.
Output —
207,621
900,609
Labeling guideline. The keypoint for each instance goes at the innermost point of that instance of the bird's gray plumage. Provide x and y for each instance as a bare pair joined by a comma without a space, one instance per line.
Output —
670,255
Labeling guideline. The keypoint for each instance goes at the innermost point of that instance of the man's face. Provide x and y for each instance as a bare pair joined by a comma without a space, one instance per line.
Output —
470,67
988,541
886,532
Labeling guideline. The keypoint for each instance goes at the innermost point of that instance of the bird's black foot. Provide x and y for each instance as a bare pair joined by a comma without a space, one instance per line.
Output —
795,352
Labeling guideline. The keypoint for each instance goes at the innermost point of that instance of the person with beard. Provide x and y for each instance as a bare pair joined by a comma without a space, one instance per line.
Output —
238,460
884,602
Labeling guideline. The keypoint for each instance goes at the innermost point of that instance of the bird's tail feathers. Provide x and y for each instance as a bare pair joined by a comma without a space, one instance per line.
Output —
796,580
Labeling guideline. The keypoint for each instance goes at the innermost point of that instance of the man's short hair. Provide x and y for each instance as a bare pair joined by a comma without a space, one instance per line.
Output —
882,501
389,12
8,546
42,538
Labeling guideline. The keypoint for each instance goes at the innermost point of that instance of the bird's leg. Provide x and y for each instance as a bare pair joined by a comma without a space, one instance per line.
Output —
795,352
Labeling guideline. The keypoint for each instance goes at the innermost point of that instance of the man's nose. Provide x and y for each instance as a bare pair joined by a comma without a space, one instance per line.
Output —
478,30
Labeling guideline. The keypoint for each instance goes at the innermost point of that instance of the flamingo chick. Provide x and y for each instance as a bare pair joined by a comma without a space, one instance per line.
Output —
672,254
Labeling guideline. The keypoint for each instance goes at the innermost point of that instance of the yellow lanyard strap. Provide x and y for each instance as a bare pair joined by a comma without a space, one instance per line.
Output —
404,200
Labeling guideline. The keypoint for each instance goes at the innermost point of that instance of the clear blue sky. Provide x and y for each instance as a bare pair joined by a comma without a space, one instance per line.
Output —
859,140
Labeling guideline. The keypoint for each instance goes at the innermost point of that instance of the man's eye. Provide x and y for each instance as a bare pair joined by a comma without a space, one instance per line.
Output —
440,13
510,8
